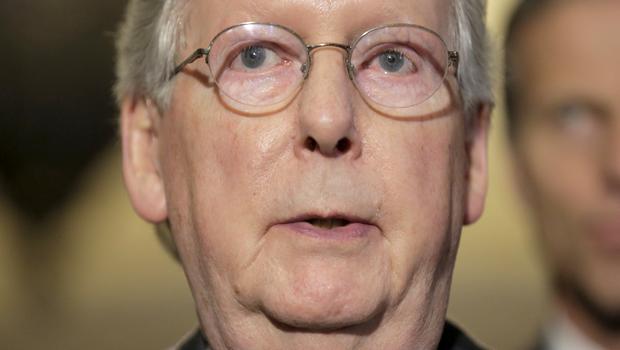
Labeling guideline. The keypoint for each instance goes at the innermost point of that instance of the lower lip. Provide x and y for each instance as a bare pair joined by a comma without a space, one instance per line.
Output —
350,231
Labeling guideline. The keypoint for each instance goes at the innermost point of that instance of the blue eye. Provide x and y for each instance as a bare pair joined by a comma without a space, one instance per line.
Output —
253,56
391,61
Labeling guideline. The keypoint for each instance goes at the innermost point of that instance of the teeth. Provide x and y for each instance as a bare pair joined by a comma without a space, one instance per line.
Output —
328,223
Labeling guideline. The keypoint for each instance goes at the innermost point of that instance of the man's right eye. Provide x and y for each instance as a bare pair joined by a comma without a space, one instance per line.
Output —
578,119
391,61
256,58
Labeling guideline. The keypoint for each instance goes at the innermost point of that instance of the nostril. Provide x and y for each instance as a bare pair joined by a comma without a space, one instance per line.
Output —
311,144
343,145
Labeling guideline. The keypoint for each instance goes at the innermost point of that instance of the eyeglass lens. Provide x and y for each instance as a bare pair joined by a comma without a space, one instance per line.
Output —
394,66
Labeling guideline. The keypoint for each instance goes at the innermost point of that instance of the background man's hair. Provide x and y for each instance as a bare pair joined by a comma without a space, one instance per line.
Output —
152,33
524,12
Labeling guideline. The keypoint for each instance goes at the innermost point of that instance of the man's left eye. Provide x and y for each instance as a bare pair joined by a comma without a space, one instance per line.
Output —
393,61
253,56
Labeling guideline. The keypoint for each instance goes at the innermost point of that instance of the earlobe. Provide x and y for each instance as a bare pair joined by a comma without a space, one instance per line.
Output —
477,171
141,170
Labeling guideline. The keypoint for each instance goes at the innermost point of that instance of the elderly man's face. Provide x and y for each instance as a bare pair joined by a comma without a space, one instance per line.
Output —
568,142
325,215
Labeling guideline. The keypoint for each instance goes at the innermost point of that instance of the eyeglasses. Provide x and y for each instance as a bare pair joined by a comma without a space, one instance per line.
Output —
261,66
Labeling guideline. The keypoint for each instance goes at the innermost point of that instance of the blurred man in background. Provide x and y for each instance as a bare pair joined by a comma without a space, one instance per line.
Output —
563,101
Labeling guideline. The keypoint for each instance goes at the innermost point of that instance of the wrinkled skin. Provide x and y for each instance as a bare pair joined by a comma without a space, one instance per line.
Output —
230,185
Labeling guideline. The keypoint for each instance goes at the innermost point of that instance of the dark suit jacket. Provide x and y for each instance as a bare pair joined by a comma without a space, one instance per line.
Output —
452,338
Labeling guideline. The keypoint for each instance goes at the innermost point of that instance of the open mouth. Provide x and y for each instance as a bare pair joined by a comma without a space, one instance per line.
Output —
328,223
335,226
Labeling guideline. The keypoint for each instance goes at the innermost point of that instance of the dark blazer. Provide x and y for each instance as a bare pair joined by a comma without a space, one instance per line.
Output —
452,338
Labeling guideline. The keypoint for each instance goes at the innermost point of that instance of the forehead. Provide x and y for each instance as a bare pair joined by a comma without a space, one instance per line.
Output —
316,20
572,46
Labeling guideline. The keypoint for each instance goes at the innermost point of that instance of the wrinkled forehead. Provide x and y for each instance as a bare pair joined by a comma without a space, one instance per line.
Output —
315,20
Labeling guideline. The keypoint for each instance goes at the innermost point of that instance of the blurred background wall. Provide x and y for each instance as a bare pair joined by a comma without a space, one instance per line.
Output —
79,270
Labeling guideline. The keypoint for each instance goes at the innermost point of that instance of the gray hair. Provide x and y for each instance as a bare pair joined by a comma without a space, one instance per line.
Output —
152,32
146,49
471,40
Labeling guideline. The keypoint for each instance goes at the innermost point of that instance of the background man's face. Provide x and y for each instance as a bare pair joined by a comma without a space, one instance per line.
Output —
244,193
568,141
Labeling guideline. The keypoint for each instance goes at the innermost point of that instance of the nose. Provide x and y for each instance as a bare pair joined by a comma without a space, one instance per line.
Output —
327,124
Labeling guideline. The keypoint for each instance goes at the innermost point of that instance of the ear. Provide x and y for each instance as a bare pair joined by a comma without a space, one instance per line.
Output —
477,171
141,170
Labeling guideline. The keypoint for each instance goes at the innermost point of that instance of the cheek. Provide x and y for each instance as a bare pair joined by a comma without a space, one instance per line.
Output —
428,169
561,189
424,195
564,158
218,153
218,167
562,185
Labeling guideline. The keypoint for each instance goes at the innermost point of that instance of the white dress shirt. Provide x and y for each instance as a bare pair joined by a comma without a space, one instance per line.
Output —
562,334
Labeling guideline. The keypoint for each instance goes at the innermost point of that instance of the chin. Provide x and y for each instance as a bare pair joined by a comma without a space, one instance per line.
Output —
322,316
311,298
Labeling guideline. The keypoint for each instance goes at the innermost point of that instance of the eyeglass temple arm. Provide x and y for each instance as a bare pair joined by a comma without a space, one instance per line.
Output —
193,57
453,60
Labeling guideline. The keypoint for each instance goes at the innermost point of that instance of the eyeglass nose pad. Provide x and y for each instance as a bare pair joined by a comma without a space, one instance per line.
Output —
305,69
351,70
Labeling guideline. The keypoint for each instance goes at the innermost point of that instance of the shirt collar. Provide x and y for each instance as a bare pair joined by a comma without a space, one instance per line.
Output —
563,334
